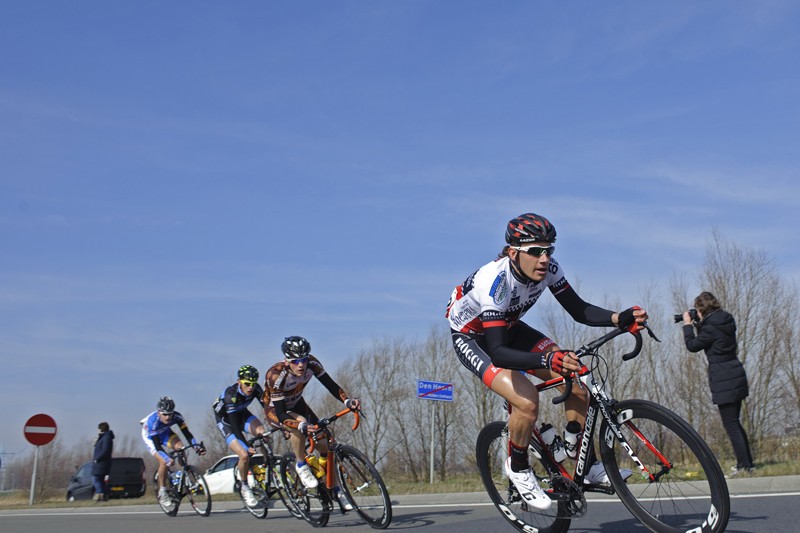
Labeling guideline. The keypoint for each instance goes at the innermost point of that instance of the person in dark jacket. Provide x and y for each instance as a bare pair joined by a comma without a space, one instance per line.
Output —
716,334
101,462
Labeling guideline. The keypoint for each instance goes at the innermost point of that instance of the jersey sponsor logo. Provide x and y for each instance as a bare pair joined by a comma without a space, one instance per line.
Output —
491,316
468,355
542,344
463,316
559,285
499,289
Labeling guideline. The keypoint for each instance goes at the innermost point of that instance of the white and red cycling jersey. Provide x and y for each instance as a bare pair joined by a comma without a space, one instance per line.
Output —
495,294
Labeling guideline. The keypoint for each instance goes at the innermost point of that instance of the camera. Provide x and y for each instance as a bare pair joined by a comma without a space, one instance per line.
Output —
692,315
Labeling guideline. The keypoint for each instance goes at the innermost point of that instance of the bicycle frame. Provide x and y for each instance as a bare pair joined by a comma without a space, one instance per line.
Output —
263,443
322,431
184,486
599,403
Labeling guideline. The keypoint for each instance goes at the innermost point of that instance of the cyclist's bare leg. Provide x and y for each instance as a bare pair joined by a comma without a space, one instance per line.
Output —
244,457
254,427
297,440
523,397
174,443
162,470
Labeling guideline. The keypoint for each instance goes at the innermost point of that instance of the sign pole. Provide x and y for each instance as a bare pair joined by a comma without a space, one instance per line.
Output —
433,415
38,430
33,477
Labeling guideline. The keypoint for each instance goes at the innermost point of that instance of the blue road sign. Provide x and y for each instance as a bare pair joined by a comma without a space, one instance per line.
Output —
434,390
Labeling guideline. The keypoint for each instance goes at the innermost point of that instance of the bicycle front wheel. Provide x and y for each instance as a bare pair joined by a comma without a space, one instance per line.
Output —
196,489
170,508
677,484
314,505
492,452
255,480
363,486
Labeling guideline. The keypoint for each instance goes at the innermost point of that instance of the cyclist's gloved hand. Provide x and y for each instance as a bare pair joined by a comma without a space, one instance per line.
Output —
302,427
353,404
555,361
198,447
629,319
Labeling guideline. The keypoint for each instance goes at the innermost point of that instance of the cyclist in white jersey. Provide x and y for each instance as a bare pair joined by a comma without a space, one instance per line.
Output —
158,434
493,344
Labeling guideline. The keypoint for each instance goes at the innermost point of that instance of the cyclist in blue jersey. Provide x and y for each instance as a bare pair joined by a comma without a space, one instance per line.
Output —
484,313
234,418
158,434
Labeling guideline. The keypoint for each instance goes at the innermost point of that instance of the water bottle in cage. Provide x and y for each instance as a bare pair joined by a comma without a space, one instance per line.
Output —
572,433
553,442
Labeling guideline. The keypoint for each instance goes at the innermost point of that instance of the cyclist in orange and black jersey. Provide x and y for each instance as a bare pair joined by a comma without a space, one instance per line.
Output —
285,407
492,343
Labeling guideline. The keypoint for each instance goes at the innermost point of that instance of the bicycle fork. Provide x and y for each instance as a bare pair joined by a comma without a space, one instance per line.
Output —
624,418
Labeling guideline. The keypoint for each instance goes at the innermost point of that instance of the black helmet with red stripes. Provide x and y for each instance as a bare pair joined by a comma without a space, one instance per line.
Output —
529,227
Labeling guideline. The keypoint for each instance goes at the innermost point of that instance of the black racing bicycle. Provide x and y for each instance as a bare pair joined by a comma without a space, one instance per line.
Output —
345,467
185,482
264,477
677,485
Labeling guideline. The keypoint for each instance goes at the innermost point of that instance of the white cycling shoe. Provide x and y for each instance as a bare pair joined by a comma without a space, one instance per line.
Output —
307,476
528,487
597,475
344,503
163,497
249,497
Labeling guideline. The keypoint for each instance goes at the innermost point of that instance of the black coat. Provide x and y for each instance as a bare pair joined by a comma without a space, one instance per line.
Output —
101,461
716,334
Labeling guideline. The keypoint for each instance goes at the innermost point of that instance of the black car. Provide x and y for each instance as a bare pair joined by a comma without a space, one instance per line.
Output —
125,481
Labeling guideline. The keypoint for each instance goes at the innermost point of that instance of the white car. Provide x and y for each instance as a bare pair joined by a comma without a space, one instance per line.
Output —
220,477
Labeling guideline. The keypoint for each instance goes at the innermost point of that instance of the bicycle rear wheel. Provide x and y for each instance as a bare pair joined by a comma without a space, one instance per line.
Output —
197,491
361,482
491,452
680,485
314,505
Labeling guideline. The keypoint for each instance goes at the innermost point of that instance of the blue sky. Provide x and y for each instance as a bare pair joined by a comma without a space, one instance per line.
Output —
184,184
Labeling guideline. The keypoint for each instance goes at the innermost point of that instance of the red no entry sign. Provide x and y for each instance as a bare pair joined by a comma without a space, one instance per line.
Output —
40,429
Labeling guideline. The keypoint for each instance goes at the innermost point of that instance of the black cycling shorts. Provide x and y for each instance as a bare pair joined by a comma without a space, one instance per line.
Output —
471,349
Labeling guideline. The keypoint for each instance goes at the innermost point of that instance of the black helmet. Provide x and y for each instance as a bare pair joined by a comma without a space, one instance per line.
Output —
529,227
248,373
295,347
166,405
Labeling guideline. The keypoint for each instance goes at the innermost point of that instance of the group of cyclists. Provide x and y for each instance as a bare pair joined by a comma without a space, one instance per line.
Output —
488,338
283,405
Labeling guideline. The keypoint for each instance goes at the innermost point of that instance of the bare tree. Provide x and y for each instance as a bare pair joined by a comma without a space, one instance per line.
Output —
378,376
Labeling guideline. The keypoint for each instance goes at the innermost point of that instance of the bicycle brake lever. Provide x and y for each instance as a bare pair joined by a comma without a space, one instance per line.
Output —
650,332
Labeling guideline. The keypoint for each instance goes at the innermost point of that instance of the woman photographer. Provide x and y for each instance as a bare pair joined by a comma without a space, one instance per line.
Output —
716,334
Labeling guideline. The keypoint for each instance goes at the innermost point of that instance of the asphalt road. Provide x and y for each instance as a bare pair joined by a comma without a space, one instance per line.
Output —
759,505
